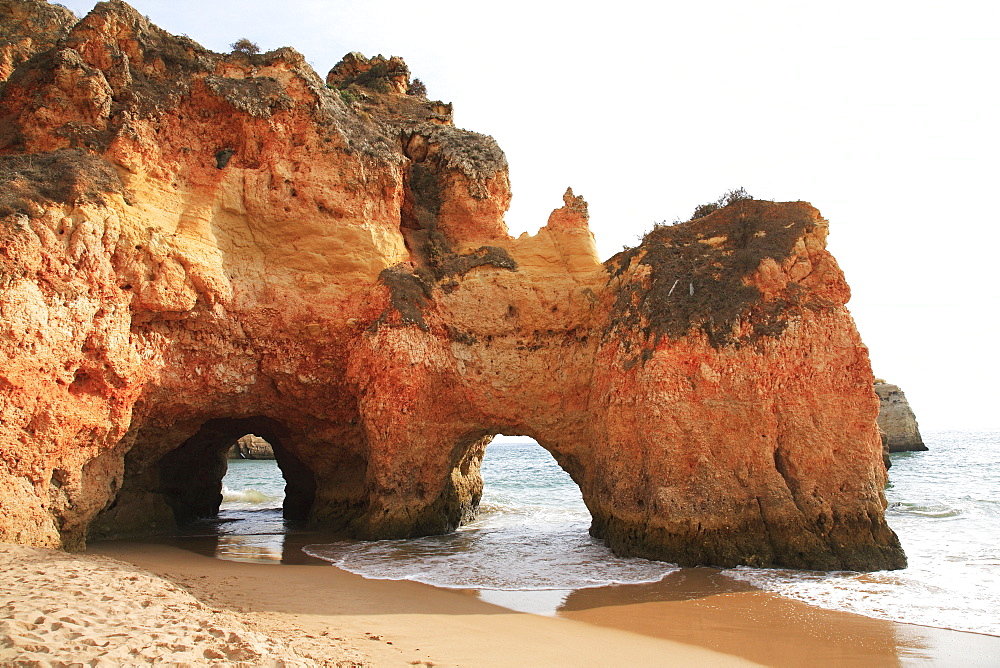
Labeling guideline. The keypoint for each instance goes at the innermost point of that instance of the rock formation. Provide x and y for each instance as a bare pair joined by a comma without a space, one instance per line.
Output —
28,27
251,447
896,422
196,246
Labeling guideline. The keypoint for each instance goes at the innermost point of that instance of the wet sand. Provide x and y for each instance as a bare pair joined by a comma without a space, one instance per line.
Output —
704,608
325,616
390,623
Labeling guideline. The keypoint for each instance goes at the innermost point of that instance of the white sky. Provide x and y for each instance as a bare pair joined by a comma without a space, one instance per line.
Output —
884,115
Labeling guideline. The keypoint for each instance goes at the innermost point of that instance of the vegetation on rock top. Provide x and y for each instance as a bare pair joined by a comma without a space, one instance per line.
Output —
245,46
697,273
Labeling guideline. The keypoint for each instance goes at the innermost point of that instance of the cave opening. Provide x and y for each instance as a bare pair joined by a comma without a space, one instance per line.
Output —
192,475
253,479
250,524
176,493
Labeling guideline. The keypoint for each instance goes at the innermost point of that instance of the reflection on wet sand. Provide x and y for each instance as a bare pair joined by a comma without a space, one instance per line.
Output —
255,536
695,604
251,548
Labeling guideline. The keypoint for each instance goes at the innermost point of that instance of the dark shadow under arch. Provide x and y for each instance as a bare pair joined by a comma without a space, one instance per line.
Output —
185,484
191,475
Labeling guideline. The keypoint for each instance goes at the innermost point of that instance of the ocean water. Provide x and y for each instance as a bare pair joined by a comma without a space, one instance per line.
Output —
530,548
250,526
531,535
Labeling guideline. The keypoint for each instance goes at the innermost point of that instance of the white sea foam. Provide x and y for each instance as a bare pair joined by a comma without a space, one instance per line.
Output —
510,558
251,484
910,597
248,496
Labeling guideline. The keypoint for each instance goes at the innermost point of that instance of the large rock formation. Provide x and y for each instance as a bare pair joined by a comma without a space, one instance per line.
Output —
251,447
199,246
896,421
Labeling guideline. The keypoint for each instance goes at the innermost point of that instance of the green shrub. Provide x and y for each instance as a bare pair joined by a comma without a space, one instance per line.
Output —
730,197
417,88
243,45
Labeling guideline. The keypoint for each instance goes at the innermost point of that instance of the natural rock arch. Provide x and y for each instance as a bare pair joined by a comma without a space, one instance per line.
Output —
345,274
185,483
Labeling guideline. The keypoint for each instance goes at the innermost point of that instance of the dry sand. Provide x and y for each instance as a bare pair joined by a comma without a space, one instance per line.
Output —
62,609
90,609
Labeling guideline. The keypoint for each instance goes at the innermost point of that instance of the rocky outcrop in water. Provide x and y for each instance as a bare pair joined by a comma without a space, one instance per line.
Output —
896,421
198,246
251,447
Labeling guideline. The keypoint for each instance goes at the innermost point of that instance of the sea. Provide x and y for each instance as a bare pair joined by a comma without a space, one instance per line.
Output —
529,547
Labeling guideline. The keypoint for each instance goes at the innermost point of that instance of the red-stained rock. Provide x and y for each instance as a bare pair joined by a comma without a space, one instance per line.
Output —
758,425
199,246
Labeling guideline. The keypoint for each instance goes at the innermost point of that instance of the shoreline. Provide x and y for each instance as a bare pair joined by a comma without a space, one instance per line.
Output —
392,622
768,628
326,616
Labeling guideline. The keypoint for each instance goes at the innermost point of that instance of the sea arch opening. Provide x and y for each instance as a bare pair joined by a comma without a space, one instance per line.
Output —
521,476
527,546
537,530
166,487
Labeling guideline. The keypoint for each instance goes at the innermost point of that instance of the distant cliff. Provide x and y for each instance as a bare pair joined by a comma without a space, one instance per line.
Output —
896,420
251,447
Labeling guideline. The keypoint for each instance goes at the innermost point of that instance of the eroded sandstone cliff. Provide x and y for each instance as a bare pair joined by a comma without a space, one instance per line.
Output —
28,27
198,246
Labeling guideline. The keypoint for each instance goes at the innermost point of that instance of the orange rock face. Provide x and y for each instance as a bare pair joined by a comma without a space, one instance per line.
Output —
199,246
749,377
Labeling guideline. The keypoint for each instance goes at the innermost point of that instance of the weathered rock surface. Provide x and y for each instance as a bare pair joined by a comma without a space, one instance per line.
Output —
197,246
251,447
28,27
896,421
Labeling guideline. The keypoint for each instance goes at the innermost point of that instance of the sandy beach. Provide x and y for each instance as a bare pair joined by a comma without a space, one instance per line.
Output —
274,615
148,602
